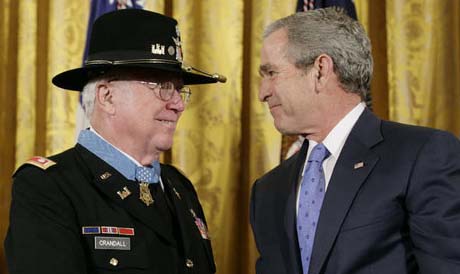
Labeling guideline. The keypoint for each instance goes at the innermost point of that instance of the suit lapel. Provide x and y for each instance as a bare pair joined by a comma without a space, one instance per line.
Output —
290,246
109,181
355,163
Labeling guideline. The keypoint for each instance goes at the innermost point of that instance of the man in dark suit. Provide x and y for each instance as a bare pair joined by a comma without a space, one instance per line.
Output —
374,196
107,205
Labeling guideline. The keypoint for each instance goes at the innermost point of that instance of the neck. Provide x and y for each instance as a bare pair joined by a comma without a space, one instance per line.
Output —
334,112
139,152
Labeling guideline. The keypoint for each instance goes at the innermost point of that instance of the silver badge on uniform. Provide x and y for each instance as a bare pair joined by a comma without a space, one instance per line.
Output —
114,243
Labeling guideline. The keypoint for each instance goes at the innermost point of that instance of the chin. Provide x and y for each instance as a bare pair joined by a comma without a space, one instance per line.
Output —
286,130
164,145
281,127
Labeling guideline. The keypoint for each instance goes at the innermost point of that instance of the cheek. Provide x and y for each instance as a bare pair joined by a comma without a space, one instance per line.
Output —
288,94
148,111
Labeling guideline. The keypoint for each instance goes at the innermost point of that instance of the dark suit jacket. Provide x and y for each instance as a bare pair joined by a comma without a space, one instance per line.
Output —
399,213
50,207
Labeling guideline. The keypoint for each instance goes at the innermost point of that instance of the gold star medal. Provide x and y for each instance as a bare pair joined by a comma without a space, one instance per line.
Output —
144,194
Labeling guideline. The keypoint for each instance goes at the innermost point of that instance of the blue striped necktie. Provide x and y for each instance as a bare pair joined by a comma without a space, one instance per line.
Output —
310,200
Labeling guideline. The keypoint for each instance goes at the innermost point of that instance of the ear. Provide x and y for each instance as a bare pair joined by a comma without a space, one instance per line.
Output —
104,97
324,69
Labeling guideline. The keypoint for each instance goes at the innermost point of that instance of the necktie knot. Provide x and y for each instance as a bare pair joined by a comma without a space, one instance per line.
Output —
319,153
148,174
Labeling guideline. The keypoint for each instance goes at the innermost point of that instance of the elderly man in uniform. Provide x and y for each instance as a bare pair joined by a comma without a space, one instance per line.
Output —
104,206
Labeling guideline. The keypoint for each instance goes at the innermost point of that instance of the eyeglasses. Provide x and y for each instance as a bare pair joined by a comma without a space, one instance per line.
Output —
166,90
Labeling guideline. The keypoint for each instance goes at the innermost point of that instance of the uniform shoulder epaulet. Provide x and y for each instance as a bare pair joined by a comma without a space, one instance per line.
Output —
38,161
41,162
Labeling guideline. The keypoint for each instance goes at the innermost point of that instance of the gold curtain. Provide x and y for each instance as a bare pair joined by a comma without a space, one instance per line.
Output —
424,74
225,139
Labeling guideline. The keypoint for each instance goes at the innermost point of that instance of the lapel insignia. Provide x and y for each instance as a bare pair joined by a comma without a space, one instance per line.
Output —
144,194
177,193
200,225
124,193
358,165
174,189
105,176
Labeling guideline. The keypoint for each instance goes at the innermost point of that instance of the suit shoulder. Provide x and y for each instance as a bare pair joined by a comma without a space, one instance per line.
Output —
283,165
174,169
410,132
411,140
279,172
178,175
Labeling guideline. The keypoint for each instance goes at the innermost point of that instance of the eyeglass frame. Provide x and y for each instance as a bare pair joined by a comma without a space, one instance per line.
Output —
184,92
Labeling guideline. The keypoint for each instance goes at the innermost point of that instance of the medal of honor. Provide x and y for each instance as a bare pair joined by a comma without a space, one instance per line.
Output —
144,194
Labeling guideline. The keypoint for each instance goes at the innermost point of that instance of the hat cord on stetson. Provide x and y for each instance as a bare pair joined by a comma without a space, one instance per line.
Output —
132,61
218,77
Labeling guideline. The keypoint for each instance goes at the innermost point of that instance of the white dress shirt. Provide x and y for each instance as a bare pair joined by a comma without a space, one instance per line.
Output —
334,143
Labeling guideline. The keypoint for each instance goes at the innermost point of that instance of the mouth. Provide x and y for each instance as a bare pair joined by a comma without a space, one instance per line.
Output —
271,107
169,123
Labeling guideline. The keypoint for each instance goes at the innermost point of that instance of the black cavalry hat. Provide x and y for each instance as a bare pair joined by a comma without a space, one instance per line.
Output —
133,38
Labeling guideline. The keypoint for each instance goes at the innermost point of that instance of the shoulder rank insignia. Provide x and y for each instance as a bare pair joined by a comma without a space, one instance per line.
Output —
40,162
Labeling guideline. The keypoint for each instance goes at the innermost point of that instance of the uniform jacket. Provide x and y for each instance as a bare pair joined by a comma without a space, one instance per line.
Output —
392,206
51,208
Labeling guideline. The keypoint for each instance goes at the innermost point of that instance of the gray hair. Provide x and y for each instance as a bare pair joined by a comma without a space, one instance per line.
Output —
329,31
88,95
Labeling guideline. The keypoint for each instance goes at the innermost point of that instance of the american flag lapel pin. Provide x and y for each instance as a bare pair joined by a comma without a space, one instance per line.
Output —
358,165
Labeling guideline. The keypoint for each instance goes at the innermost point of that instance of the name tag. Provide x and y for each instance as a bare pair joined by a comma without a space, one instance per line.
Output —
115,243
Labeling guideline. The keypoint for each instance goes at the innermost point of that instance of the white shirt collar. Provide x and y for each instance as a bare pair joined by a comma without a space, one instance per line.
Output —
335,140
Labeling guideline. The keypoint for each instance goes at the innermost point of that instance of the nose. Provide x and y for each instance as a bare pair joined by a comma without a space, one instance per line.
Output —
265,90
176,104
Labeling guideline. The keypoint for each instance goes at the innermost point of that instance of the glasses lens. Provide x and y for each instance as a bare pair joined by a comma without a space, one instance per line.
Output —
185,94
166,91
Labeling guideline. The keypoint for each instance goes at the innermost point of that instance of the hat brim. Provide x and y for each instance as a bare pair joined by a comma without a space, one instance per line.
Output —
76,79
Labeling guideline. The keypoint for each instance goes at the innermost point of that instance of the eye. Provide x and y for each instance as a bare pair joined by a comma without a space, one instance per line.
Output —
268,73
272,73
